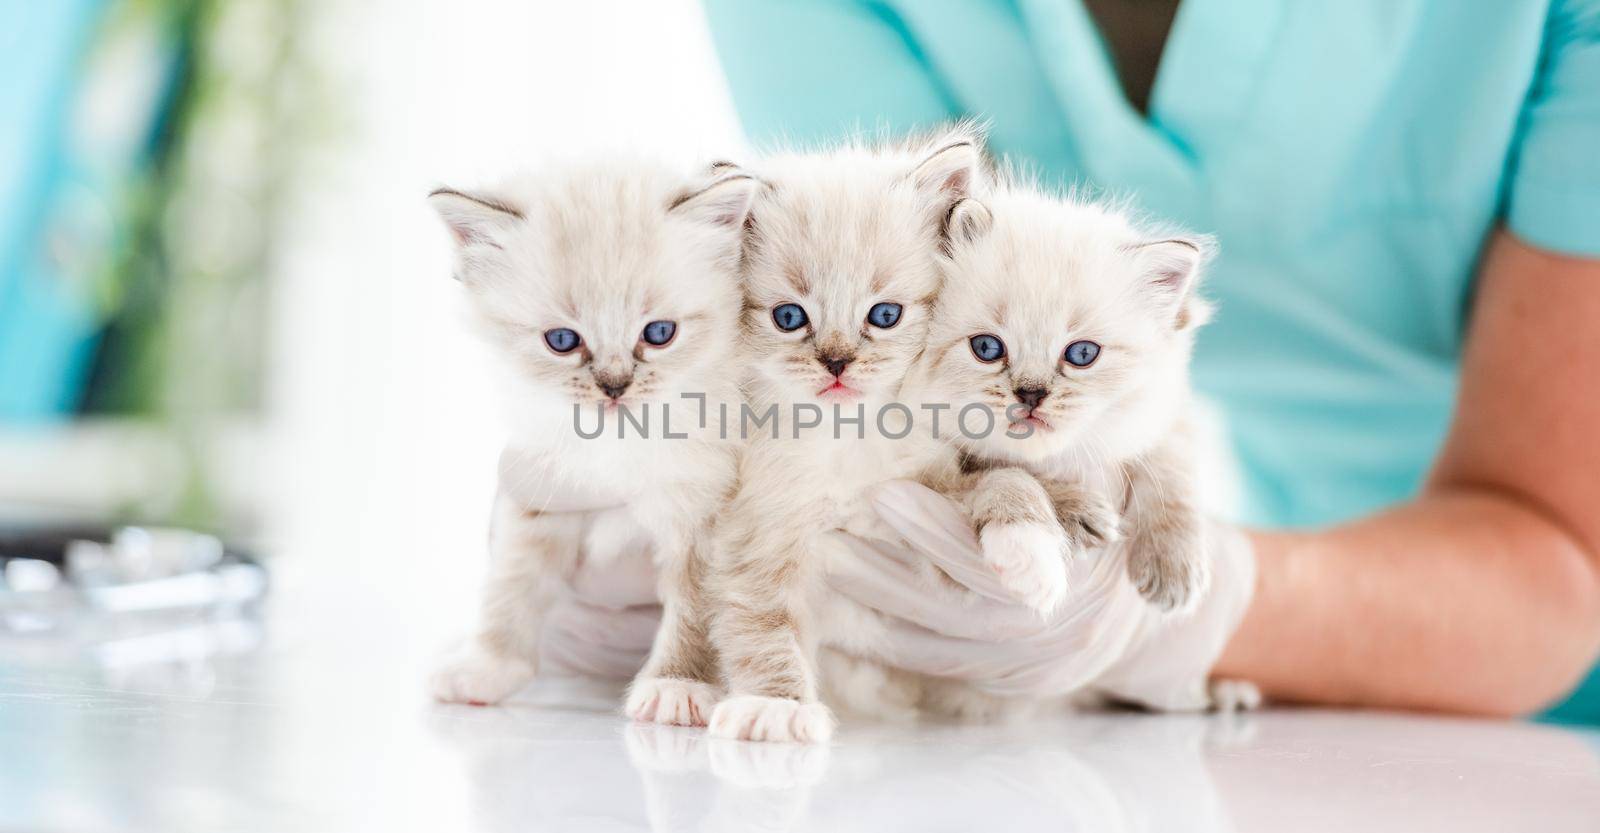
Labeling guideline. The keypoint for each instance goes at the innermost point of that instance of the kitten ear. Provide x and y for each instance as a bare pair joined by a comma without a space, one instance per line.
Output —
1170,270
725,201
951,170
474,220
969,220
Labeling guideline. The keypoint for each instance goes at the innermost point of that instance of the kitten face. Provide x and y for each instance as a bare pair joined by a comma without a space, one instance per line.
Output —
840,270
613,284
1062,320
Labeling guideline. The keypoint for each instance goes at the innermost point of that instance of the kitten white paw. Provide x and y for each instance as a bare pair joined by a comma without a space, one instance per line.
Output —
479,678
1030,561
671,701
1234,696
751,717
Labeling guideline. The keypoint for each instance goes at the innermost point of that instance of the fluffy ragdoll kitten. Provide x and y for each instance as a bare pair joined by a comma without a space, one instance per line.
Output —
840,276
1075,328
604,288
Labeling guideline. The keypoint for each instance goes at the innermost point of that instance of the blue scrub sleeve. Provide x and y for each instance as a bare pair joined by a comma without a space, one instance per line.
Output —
807,71
1554,199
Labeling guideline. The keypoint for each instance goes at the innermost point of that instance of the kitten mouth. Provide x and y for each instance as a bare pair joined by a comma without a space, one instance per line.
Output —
838,390
1036,421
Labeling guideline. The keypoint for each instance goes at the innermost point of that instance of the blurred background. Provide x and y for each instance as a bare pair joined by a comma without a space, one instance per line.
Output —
224,303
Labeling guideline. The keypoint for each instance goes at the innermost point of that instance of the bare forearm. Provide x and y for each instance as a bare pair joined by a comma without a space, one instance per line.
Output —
1464,600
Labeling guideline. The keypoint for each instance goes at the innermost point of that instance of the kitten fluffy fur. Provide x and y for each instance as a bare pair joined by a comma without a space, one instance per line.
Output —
1039,274
603,250
835,233
744,530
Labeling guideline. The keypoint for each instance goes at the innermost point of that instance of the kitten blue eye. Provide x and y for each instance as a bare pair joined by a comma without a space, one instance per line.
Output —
883,316
987,348
1082,353
658,333
789,317
562,340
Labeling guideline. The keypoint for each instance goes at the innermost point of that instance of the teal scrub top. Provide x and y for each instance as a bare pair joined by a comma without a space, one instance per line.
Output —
1351,158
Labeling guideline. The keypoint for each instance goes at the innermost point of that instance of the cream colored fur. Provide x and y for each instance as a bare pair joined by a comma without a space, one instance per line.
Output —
742,540
835,232
1040,273
604,248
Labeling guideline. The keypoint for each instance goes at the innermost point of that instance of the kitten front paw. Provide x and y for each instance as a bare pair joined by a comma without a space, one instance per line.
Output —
1029,558
779,719
1169,570
670,700
479,678
1094,522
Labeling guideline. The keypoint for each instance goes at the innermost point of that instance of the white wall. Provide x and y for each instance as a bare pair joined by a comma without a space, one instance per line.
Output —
385,425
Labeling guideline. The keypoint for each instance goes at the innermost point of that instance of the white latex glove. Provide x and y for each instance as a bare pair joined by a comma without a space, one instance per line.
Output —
1103,637
606,617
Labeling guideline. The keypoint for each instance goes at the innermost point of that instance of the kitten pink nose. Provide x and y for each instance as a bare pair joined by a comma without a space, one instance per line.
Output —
1031,396
834,364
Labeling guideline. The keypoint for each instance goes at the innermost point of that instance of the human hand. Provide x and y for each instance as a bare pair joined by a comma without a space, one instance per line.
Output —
606,614
1103,636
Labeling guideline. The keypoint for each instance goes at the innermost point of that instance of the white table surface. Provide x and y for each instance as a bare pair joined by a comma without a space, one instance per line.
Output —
314,719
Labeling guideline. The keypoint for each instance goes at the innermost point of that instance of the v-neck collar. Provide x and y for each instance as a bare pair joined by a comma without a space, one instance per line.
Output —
1208,67
1213,63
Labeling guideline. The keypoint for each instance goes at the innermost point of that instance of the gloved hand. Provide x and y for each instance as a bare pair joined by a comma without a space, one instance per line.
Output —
605,616
603,624
1104,636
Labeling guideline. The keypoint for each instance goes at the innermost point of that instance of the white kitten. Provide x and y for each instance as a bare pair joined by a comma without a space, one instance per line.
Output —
604,288
1074,327
840,278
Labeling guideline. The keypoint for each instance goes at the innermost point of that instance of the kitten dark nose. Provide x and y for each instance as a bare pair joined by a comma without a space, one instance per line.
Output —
1031,396
835,365
613,386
